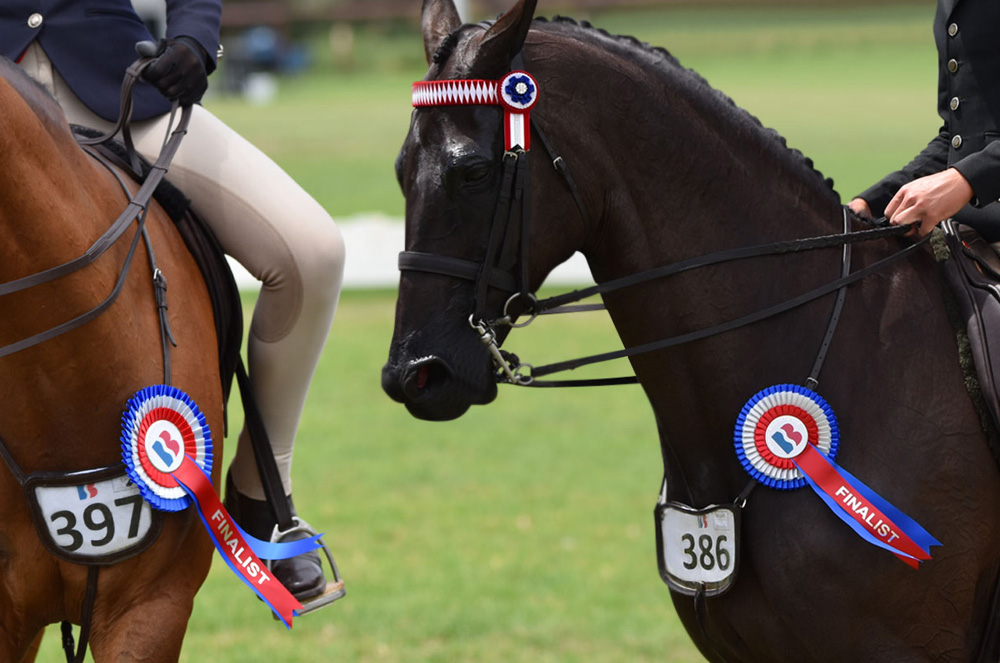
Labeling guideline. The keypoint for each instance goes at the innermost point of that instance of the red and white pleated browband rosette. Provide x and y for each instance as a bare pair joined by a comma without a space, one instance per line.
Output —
517,93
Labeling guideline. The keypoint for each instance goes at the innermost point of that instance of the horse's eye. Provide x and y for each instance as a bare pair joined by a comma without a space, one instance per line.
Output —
477,173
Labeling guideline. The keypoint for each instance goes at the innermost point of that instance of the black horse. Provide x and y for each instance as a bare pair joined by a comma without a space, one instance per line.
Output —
665,169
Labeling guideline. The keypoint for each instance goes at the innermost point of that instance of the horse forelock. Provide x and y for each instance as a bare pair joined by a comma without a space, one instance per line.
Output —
445,49
455,56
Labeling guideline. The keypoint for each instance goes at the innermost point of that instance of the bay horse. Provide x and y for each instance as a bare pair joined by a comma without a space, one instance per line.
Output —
665,169
61,401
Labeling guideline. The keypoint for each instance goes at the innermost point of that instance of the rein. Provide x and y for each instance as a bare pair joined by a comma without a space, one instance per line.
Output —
136,210
513,202
779,248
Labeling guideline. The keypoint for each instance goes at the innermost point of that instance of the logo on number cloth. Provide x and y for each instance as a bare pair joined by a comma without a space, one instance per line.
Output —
161,426
776,425
86,491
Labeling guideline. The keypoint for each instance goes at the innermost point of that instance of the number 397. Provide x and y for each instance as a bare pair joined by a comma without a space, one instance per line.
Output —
706,552
98,517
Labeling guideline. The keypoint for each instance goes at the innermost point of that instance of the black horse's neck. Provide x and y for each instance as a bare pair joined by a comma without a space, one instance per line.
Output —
671,156
674,170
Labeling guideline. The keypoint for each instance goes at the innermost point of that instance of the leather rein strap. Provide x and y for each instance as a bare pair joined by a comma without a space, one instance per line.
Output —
809,244
135,211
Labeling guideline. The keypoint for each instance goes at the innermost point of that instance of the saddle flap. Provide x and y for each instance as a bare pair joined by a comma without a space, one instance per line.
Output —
972,271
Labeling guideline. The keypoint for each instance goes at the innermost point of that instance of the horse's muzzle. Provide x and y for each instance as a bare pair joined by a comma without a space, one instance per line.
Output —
428,387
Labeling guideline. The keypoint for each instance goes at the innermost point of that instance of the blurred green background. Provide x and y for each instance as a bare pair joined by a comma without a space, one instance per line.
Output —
523,531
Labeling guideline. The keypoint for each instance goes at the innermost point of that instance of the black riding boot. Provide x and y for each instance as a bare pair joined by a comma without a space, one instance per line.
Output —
302,575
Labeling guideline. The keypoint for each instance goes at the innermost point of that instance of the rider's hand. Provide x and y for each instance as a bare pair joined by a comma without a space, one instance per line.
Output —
860,207
180,72
929,200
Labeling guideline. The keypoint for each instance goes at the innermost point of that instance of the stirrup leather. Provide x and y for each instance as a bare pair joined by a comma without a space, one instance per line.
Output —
334,589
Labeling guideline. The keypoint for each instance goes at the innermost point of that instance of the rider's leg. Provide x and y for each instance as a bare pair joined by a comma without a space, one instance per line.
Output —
285,239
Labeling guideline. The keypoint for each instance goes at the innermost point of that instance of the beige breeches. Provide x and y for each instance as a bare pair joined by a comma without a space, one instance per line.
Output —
271,226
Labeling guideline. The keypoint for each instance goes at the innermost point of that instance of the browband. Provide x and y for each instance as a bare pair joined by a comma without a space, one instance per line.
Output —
517,93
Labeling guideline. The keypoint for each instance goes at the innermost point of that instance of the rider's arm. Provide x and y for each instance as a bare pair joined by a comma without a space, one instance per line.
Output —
982,170
199,20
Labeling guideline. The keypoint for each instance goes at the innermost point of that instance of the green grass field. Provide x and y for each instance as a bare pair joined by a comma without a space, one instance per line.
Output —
524,531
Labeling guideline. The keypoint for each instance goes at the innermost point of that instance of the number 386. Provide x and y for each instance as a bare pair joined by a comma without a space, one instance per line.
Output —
706,552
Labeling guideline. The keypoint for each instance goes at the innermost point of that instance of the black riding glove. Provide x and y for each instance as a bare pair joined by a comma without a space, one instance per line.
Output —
180,72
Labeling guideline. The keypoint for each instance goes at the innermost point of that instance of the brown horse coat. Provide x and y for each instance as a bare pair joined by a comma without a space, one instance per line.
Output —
61,401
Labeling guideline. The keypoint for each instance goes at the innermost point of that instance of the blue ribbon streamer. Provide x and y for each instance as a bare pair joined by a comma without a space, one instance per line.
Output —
266,549
907,525
263,549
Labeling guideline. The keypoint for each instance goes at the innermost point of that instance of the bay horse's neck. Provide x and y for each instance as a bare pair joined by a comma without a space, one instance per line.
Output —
39,157
676,171
55,201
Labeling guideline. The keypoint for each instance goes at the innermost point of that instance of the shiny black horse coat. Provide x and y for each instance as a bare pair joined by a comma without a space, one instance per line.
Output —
670,169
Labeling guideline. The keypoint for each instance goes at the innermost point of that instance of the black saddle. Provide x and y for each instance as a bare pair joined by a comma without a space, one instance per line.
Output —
972,271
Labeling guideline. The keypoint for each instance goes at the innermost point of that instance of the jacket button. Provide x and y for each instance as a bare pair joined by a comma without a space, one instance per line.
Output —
956,142
953,65
35,20
953,29
955,103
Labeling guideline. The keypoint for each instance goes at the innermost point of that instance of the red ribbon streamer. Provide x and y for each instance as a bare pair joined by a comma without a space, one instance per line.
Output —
231,545
856,506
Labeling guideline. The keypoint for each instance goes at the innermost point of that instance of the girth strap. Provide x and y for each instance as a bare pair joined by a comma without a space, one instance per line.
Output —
86,618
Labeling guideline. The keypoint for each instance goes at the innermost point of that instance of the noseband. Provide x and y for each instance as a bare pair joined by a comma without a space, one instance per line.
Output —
517,93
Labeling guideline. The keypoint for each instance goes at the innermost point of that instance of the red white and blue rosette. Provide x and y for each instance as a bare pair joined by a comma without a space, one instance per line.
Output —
774,427
518,92
787,436
161,426
167,450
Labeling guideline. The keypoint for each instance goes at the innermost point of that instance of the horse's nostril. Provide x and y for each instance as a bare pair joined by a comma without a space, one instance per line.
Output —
424,374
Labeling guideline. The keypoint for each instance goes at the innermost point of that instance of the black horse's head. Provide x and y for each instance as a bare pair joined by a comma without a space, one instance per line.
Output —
467,202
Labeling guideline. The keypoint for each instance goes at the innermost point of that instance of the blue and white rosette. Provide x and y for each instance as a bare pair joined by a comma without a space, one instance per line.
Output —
775,425
518,92
161,425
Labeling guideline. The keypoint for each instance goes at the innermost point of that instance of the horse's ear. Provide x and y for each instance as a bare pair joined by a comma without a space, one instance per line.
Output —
505,38
439,18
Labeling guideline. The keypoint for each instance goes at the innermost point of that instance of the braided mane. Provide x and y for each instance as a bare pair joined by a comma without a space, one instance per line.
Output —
664,61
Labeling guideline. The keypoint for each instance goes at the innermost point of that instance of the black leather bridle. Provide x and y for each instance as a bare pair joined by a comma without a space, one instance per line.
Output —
513,207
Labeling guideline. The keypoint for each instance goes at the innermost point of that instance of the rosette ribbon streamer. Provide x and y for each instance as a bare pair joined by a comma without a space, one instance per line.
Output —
787,436
167,449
